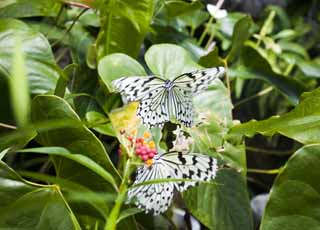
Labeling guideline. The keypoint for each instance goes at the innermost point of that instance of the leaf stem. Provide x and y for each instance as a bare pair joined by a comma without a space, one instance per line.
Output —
114,214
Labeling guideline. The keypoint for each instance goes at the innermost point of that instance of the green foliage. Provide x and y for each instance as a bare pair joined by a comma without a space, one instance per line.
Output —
66,161
294,200
293,124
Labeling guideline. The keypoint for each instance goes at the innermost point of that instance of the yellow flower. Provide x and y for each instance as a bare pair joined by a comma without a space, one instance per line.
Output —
151,144
146,135
134,132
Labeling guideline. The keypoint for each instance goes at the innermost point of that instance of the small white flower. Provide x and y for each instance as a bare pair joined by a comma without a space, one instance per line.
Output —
182,143
215,12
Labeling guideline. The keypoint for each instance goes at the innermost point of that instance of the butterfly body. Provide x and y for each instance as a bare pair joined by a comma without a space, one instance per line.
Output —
156,198
161,100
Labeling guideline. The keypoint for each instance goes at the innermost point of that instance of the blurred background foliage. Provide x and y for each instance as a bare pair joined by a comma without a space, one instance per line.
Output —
57,61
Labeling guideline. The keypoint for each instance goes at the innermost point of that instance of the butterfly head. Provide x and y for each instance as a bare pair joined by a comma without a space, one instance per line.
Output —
168,84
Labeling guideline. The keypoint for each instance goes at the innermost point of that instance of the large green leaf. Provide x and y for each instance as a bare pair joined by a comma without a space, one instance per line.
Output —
27,8
294,202
77,139
26,205
240,35
123,27
258,65
301,124
289,87
224,205
169,61
42,71
118,65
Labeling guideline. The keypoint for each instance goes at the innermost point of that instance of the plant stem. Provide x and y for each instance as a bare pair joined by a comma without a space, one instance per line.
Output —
266,25
70,27
269,152
259,94
7,126
204,33
264,171
114,214
225,62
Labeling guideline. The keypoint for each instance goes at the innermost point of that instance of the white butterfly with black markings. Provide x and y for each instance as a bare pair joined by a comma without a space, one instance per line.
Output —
162,99
156,197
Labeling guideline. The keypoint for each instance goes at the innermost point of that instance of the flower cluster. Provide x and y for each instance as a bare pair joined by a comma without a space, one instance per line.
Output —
143,146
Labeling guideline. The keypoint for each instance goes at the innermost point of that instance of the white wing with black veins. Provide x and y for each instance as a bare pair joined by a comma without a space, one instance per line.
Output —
157,197
199,80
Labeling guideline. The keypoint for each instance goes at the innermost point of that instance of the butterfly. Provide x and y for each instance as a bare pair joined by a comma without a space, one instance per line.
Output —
157,197
162,99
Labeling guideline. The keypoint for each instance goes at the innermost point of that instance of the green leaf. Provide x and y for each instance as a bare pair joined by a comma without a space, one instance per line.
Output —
211,59
118,65
294,48
27,8
240,35
294,201
77,139
214,107
221,206
301,124
17,139
175,8
227,25
19,89
127,213
258,66
123,20
100,123
26,205
81,159
42,71
169,61
309,68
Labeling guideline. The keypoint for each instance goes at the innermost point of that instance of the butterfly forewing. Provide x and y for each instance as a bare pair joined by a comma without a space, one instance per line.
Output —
153,108
157,197
137,87
199,80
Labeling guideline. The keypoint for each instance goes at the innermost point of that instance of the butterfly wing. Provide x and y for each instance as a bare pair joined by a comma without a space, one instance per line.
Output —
153,108
156,197
152,95
180,106
198,81
191,166
137,87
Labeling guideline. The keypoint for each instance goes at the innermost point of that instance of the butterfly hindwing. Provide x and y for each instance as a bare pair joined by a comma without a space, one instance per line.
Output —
157,197
180,106
197,167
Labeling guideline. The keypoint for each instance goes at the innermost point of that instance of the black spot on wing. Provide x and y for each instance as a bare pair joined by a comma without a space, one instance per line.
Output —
181,158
